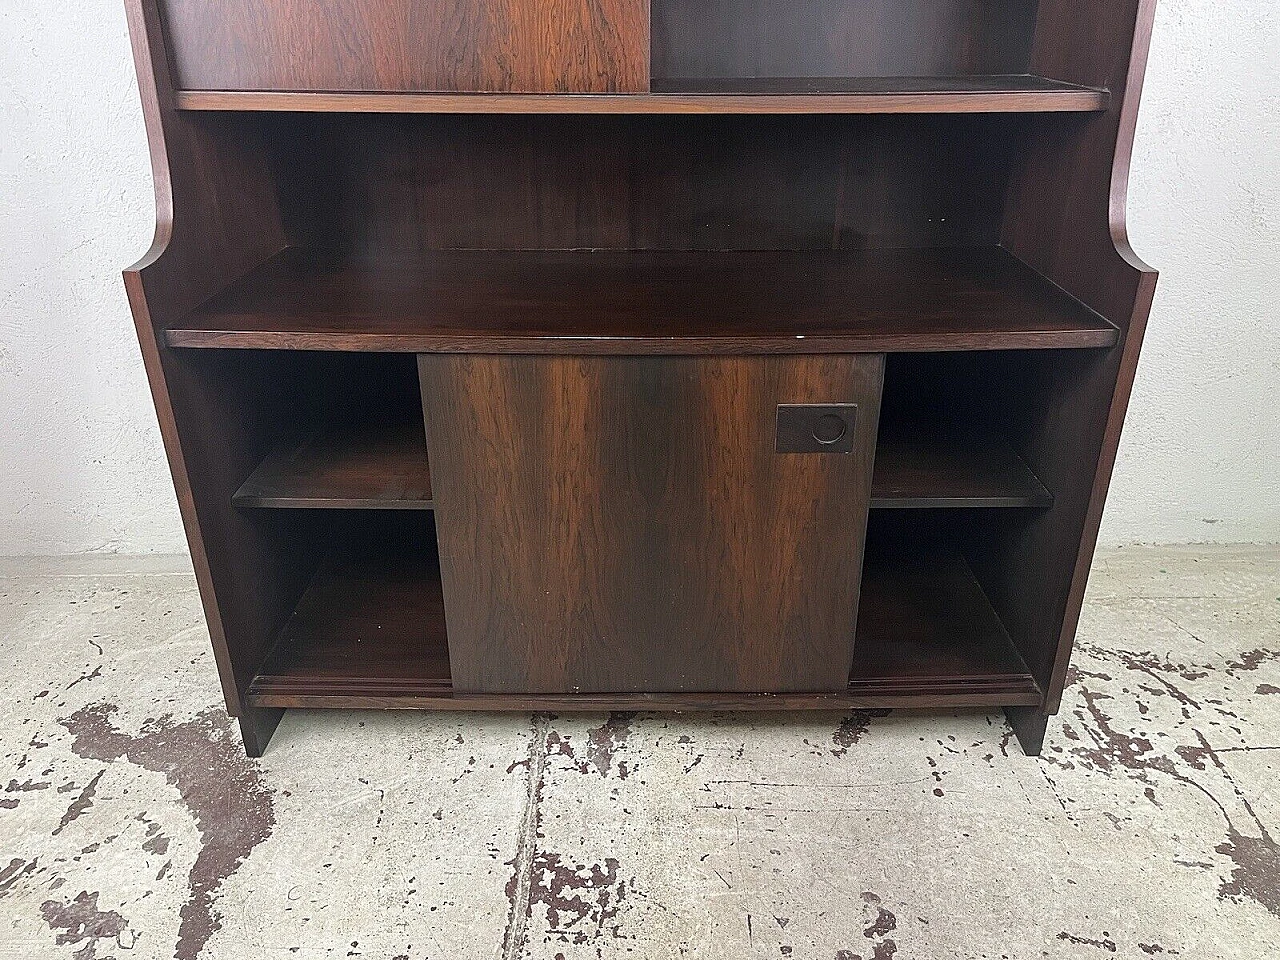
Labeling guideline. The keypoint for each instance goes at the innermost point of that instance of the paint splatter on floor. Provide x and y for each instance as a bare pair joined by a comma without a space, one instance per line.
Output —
79,921
220,787
132,825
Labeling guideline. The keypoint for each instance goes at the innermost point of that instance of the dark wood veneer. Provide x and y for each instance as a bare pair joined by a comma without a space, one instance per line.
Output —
371,633
872,95
384,467
617,235
625,524
926,627
362,45
1077,238
866,38
925,471
646,302
352,467
365,627
391,189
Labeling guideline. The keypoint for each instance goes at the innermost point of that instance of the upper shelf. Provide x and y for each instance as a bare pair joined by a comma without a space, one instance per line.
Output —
647,302
988,94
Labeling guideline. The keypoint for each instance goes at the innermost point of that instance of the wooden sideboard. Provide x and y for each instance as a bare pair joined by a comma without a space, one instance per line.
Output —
641,354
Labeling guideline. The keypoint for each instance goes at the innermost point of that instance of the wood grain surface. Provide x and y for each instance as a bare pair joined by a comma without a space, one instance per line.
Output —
351,467
1004,94
442,45
1066,218
624,524
389,188
930,471
370,632
855,38
646,302
384,467
613,521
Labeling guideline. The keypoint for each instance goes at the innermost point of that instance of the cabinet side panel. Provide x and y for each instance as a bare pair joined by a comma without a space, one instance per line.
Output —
512,46
1065,217
618,525
217,218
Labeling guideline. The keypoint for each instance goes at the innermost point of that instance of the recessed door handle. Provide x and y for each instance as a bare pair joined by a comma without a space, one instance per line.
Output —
816,427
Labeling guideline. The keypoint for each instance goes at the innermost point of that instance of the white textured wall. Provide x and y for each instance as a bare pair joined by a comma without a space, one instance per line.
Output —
1200,458
81,468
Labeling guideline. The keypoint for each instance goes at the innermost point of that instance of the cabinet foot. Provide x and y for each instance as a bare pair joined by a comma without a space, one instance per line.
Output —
1028,725
257,724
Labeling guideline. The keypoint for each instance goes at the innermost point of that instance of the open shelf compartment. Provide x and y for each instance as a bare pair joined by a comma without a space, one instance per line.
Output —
383,466
620,56
925,628
370,631
937,471
365,627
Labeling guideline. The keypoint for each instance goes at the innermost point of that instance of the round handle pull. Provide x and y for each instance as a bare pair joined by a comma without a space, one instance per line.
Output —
829,429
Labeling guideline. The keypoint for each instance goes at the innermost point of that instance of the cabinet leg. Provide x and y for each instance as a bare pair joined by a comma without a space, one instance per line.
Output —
257,724
1028,726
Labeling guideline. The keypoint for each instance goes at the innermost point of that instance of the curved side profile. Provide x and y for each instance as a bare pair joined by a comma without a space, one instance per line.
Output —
1066,217
217,217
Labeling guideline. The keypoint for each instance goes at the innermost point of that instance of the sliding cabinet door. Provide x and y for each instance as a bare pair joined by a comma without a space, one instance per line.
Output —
651,524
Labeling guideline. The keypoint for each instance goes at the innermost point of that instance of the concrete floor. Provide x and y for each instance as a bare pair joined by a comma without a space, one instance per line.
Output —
132,826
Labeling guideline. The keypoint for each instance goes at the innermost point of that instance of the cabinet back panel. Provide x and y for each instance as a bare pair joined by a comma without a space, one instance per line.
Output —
398,185
514,46
841,38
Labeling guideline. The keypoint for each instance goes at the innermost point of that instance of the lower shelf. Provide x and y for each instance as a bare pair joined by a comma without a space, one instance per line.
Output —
366,629
370,634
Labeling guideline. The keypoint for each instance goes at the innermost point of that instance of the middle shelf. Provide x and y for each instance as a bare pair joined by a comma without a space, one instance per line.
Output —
347,467
384,467
646,302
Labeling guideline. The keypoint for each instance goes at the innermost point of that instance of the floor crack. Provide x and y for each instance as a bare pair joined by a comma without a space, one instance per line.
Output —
519,888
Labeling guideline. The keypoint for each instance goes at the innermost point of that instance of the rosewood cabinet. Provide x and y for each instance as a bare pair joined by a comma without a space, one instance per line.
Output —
641,353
